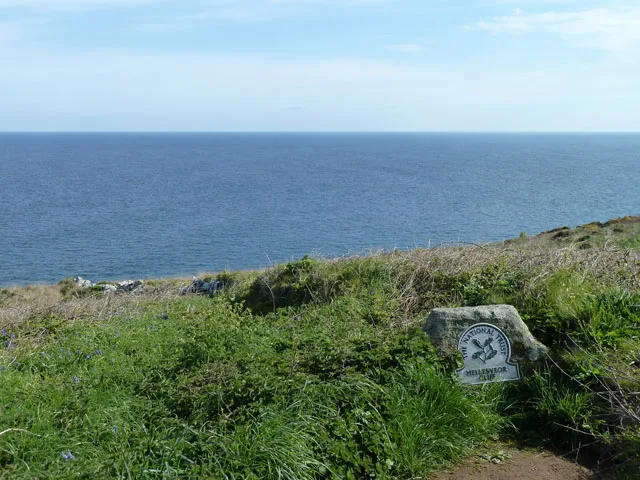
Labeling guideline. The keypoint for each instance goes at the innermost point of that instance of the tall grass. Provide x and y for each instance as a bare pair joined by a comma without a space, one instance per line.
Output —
433,422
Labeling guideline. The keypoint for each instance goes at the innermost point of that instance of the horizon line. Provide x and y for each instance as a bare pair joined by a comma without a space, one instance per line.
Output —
516,132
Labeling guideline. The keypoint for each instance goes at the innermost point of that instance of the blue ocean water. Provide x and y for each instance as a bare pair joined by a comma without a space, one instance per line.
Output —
111,206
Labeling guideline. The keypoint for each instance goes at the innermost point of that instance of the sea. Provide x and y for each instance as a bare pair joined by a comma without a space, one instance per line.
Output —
112,206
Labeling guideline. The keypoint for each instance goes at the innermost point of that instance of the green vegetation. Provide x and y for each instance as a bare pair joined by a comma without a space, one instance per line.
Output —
319,368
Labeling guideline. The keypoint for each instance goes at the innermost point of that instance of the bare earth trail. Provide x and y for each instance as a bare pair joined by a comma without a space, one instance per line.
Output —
521,465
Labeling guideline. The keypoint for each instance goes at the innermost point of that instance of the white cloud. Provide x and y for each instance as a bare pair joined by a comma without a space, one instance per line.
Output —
613,29
494,3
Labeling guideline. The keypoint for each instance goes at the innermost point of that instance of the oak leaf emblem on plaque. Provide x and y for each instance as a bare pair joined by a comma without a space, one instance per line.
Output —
485,351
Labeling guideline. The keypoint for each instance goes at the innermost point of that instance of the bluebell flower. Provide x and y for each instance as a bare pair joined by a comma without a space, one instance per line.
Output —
13,335
76,379
99,351
67,456
3,332
87,357
115,430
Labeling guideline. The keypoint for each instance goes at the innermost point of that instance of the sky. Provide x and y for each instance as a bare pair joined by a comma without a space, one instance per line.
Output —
320,65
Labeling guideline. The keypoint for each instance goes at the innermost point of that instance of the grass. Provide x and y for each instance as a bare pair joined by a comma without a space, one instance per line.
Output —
319,368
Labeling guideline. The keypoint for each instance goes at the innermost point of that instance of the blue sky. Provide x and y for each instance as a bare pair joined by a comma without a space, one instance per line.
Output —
320,65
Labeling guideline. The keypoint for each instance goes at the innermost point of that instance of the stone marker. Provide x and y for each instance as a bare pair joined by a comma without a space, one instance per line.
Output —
493,339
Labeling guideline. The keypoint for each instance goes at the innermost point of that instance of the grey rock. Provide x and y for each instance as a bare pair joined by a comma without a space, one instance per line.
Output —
81,282
200,286
130,286
108,288
445,325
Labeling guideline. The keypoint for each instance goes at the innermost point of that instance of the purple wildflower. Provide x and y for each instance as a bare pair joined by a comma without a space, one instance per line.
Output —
99,351
13,335
76,379
87,357
67,456
3,332
115,430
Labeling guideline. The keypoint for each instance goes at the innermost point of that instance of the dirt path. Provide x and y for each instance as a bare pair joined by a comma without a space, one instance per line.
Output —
520,465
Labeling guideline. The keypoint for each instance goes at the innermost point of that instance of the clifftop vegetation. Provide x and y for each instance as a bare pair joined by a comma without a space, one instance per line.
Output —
320,369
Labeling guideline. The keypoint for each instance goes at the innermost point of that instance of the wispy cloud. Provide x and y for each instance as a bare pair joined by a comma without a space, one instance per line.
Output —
582,3
613,29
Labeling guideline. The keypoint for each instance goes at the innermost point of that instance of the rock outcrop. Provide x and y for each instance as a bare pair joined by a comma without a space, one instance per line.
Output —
81,282
200,286
126,286
129,286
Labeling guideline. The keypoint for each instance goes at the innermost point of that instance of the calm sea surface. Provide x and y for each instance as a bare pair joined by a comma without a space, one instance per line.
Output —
112,206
